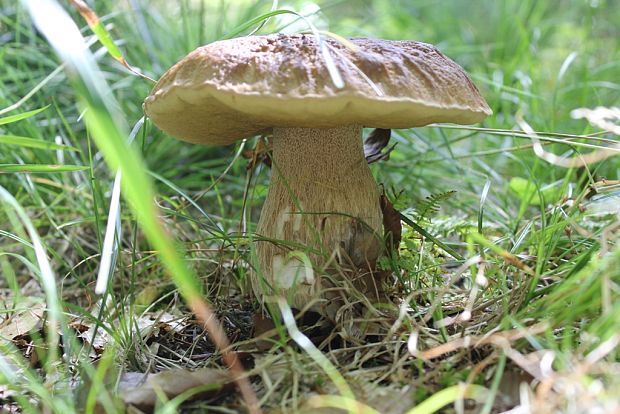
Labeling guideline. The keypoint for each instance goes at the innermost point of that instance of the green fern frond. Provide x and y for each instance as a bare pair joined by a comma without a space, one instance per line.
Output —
431,204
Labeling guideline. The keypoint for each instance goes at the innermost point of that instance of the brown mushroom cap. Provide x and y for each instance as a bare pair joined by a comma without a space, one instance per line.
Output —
233,89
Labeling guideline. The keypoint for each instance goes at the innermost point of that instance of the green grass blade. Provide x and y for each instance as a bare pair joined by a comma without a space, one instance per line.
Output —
19,117
447,396
109,130
33,143
106,40
47,276
432,238
39,168
253,22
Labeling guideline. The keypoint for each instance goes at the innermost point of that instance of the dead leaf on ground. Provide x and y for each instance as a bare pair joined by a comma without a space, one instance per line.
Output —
20,317
206,382
264,331
392,227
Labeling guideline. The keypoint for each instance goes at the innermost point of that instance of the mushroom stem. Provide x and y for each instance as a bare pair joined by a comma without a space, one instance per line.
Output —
322,201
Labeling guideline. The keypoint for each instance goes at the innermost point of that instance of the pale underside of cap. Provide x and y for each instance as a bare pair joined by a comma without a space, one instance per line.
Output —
238,88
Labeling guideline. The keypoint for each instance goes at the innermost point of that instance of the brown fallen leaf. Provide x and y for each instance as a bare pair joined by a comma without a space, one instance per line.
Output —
24,316
203,383
264,331
392,227
260,153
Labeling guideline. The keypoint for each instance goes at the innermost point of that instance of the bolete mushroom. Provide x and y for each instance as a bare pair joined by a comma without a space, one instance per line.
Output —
322,198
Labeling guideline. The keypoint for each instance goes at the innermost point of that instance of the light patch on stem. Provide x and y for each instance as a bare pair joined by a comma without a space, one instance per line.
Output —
291,271
281,221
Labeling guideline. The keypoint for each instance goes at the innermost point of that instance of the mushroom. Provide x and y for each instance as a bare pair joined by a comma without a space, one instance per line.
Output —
322,199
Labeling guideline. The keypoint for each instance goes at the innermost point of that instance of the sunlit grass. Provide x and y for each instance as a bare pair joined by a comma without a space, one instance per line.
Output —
542,255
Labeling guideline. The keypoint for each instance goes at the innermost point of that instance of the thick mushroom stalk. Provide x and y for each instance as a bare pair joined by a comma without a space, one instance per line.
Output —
323,202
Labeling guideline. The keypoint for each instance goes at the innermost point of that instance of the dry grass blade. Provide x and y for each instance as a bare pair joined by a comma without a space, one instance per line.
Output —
602,117
555,137
500,339
565,390
579,160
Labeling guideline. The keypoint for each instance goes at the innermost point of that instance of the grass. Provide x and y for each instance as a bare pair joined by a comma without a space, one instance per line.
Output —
537,290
